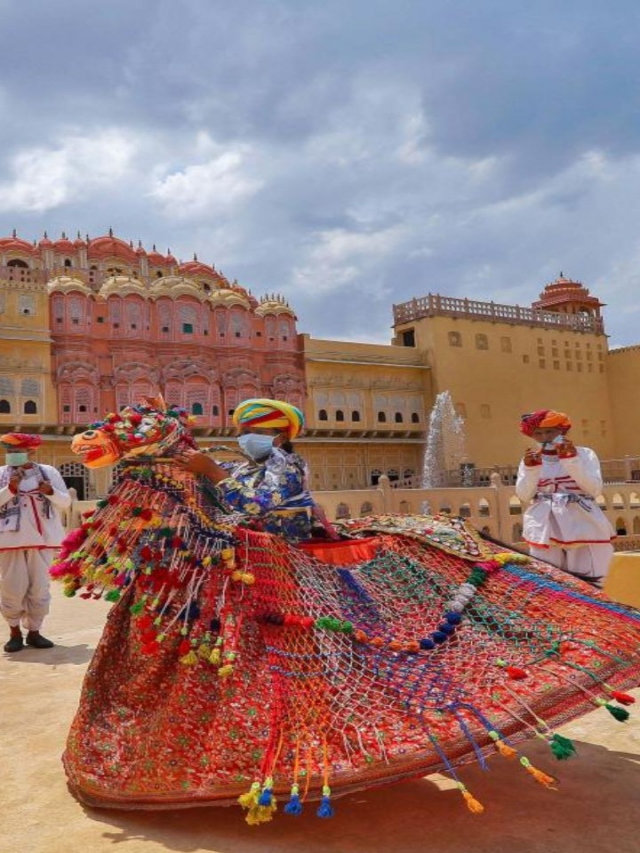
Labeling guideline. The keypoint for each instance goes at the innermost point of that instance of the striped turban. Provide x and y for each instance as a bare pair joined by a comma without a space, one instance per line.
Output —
20,441
544,419
269,414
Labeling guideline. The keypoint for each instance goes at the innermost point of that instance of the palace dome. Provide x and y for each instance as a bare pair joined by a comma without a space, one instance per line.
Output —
111,247
15,244
274,305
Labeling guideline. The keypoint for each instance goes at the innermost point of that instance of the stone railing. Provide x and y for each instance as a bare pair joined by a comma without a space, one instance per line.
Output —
494,509
435,305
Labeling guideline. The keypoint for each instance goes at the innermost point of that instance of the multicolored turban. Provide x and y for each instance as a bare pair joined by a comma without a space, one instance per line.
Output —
269,414
20,441
544,419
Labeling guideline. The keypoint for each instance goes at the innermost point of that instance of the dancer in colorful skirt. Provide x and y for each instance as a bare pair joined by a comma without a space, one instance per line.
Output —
236,666
31,498
270,487
563,523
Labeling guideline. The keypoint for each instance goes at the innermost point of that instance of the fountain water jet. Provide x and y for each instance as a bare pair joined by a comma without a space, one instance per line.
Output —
445,447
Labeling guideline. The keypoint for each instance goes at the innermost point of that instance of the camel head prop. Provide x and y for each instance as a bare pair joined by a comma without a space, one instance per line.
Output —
149,429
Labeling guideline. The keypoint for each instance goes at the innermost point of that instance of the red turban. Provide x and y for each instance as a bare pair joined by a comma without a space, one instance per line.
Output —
20,441
544,419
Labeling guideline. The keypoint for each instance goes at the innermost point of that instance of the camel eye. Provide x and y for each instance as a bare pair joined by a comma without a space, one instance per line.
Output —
90,433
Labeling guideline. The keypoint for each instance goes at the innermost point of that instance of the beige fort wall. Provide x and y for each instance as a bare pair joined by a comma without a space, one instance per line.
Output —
495,371
624,390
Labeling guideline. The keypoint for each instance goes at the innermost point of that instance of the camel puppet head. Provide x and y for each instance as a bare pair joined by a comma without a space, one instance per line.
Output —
149,429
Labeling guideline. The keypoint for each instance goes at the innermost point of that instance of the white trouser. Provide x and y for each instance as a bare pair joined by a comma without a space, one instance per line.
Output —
590,561
24,587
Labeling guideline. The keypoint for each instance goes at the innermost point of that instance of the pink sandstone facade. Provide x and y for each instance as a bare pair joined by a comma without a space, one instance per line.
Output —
125,321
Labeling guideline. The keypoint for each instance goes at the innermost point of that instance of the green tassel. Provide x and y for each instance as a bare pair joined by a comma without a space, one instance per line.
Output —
136,608
562,747
114,595
618,713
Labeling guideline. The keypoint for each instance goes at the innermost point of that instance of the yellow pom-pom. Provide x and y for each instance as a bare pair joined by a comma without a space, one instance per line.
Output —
248,578
251,797
189,659
227,553
206,561
225,670
204,651
215,657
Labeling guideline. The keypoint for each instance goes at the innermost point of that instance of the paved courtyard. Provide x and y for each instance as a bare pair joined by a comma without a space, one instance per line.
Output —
597,807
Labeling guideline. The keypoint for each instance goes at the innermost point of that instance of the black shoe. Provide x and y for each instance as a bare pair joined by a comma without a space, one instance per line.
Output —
15,644
37,641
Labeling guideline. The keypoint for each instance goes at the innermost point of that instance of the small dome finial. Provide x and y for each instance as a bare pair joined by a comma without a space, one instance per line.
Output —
110,232
195,257
64,236
14,233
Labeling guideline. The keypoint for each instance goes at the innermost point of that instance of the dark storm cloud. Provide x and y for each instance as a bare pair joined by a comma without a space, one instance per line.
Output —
348,154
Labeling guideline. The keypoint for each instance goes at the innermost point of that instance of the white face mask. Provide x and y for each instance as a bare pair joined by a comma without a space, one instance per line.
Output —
16,457
255,445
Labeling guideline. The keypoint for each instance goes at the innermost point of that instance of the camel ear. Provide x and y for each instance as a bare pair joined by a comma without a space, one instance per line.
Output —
156,402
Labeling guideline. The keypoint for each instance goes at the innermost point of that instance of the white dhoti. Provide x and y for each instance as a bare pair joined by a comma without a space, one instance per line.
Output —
588,561
24,587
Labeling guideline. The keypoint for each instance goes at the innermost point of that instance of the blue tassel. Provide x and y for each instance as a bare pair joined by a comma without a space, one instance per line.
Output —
265,797
294,806
325,809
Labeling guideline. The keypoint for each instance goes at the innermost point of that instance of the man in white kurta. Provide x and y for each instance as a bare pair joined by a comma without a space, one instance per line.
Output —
563,523
31,498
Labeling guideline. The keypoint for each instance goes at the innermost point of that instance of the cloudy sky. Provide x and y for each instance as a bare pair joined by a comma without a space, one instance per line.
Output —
347,153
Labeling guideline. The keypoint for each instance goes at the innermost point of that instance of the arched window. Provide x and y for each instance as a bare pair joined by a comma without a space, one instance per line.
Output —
455,339
30,408
5,407
343,511
18,263
482,342
398,417
67,263
322,415
415,418
355,417
382,418
366,508
196,409
621,527
339,415
215,411
516,532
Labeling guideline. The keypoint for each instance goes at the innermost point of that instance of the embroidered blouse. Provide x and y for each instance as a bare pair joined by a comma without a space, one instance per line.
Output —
271,494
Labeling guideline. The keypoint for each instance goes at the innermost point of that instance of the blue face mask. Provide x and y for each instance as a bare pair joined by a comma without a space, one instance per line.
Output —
255,445
16,457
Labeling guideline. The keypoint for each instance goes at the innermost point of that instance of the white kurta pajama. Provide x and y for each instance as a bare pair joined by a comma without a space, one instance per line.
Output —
563,524
29,537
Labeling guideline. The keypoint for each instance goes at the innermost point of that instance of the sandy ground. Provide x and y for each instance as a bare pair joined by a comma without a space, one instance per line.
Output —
597,807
